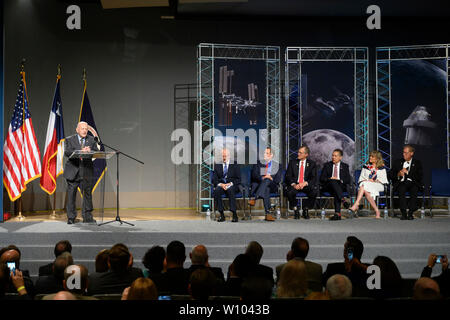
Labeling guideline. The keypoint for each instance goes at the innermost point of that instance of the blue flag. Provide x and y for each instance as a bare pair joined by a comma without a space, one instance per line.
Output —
87,116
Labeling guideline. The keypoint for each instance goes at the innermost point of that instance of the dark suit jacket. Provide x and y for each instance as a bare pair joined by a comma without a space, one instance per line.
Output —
72,166
234,174
257,176
46,270
356,276
173,281
327,173
48,284
310,174
112,282
415,172
217,271
263,271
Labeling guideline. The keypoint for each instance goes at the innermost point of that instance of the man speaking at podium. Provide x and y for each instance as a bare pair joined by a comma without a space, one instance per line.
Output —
79,172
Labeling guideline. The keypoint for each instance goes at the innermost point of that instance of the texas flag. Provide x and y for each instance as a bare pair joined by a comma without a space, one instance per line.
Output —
54,145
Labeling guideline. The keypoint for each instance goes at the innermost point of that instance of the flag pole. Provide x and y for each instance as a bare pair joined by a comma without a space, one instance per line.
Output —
20,217
53,214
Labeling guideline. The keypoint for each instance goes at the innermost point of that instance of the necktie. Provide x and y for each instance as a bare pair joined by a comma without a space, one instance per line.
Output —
267,168
225,171
82,143
335,172
300,173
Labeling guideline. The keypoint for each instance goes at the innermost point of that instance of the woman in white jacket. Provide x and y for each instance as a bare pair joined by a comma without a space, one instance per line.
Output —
371,181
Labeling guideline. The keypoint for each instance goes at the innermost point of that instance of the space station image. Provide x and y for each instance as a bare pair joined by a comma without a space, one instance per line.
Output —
419,127
230,103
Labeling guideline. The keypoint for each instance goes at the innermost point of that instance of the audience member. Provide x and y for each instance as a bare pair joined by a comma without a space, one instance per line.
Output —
256,288
153,260
60,247
318,296
80,292
7,277
199,259
339,287
293,280
255,252
443,279
120,274
54,282
141,289
351,267
176,279
299,251
426,289
101,261
64,295
391,280
202,284
12,253
237,272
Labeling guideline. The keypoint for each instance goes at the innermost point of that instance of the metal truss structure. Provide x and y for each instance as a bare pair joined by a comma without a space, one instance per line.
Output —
206,54
294,57
384,57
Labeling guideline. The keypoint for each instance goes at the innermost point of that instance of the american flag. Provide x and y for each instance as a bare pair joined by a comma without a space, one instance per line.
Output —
54,144
21,155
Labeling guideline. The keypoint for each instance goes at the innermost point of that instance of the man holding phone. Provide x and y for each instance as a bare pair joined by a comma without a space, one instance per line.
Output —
7,276
444,278
10,256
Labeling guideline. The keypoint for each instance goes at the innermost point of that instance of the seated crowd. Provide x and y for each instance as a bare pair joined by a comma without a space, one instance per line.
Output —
246,279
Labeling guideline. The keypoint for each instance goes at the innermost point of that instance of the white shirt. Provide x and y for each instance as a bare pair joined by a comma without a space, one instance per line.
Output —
407,166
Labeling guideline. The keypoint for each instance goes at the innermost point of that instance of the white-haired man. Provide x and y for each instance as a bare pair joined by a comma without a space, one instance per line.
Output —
79,173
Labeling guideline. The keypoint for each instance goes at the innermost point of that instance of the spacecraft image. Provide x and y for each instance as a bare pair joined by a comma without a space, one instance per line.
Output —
419,127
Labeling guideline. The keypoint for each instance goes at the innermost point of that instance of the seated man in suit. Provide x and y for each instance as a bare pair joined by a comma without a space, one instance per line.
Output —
301,176
334,178
407,176
299,251
265,178
255,251
54,283
60,247
352,267
226,179
199,259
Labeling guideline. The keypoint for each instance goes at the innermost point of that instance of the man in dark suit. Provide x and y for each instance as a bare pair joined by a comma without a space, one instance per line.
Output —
301,176
334,178
60,247
79,173
226,179
265,178
407,176
120,275
255,251
54,282
352,267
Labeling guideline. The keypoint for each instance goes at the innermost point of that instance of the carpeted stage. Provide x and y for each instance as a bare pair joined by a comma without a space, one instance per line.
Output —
408,243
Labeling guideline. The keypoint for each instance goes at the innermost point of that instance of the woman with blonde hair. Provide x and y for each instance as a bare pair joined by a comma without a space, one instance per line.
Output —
141,289
292,282
371,181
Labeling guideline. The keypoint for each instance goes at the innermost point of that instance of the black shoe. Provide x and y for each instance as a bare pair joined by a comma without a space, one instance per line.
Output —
305,214
335,217
70,221
235,218
221,218
296,214
89,221
346,204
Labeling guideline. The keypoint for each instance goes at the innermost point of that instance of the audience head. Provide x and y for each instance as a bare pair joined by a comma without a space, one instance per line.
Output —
300,248
62,246
175,254
64,295
391,279
119,258
202,284
61,263
376,157
82,271
199,255
303,152
339,287
336,156
101,261
426,289
153,259
256,288
254,251
4,278
10,253
241,266
292,281
142,289
408,152
357,246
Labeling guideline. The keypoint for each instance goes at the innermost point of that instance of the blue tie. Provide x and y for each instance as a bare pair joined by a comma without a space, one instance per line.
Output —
225,172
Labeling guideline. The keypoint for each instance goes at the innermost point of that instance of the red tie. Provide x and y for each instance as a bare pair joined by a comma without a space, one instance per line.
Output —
335,173
300,174
267,167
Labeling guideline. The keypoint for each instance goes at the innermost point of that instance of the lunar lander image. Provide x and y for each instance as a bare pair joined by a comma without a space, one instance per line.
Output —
419,127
